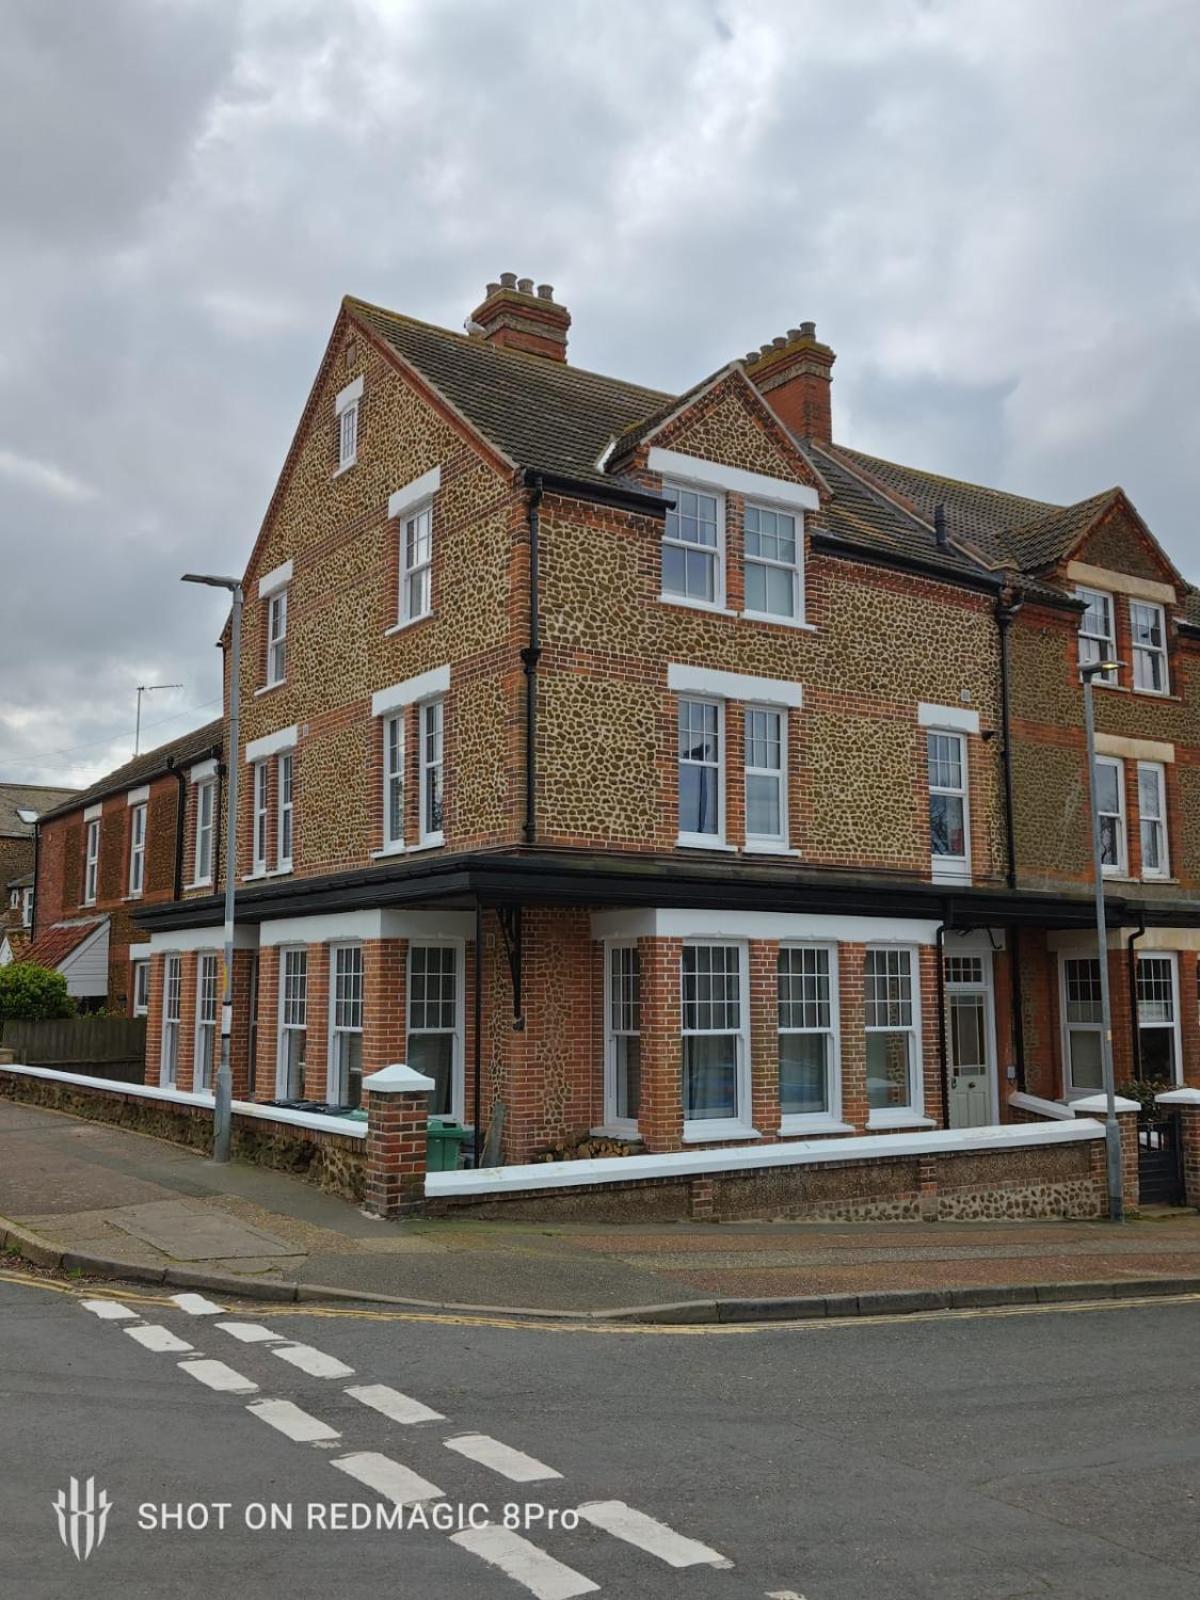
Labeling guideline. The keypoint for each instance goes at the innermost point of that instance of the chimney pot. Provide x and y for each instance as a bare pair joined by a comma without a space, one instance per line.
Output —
793,376
766,350
534,324
808,330
751,355
525,285
779,342
545,291
492,288
508,280
794,333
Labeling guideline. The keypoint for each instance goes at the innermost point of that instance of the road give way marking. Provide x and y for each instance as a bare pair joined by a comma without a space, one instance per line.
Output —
525,1563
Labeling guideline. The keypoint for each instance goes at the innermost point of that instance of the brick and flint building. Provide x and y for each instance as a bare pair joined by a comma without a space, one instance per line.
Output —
654,766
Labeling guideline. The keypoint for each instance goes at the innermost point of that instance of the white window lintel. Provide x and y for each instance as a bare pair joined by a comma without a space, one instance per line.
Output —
347,396
271,744
959,719
92,814
422,488
203,770
278,578
425,686
138,797
736,480
685,679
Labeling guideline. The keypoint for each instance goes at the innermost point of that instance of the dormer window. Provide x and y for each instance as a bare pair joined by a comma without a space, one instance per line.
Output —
693,555
346,408
1148,626
772,563
1097,632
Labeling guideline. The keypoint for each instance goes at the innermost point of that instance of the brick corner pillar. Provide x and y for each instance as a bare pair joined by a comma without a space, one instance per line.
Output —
154,1021
660,1114
239,1038
1186,1102
1127,1121
397,1115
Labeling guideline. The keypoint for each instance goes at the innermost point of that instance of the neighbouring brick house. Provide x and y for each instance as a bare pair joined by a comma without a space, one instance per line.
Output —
654,765
20,806
142,835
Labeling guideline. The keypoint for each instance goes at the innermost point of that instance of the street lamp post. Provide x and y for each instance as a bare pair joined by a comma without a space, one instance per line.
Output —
223,1095
1112,1133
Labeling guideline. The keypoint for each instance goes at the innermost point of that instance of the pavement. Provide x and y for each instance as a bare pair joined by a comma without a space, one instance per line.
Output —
988,1455
101,1194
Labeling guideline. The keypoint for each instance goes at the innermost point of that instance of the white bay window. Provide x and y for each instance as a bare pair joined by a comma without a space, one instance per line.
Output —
715,1040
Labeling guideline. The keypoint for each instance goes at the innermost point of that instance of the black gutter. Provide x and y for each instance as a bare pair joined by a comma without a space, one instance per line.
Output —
984,582
37,855
1005,610
180,817
947,917
1132,960
624,496
530,657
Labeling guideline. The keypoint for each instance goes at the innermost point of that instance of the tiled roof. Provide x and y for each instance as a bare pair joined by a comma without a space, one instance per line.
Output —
149,765
18,797
1047,538
53,946
539,412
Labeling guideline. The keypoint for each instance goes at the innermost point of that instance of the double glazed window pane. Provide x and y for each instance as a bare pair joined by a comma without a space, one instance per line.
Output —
433,1018
1149,648
690,546
947,796
1108,794
770,562
805,1031
1084,1018
1096,635
204,831
699,767
417,545
709,1077
1152,812
712,1009
889,1016
625,1020
764,774
431,767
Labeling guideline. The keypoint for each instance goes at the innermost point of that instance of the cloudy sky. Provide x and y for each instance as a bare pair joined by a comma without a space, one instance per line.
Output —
990,208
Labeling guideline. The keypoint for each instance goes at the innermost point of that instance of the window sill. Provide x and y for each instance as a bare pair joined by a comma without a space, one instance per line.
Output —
1156,694
709,606
781,622
814,1122
694,841
396,849
433,842
280,683
255,877
199,883
126,898
752,848
706,1132
408,622
628,1132
943,872
338,471
283,870
898,1119
1116,877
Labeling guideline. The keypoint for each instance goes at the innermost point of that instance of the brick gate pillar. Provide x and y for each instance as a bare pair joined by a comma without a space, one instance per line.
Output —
1127,1122
397,1100
1187,1103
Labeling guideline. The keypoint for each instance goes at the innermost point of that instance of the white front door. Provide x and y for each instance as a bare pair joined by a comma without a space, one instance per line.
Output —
969,1025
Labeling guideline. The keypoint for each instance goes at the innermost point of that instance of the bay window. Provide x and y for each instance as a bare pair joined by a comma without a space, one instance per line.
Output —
435,1045
808,1052
622,1080
293,1024
346,1026
206,1022
892,1022
1083,1025
715,1043
172,994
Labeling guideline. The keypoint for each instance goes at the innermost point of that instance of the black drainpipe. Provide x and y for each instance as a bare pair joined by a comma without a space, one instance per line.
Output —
1131,957
180,813
947,919
37,853
1008,604
529,660
478,1050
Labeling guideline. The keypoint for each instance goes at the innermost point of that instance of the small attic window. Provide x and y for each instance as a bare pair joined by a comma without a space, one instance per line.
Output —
346,409
26,815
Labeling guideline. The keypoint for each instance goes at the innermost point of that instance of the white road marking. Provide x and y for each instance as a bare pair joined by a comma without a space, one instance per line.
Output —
783,1594
636,1528
108,1310
156,1338
501,1458
250,1332
315,1362
218,1376
399,1407
289,1419
388,1478
541,1574
197,1306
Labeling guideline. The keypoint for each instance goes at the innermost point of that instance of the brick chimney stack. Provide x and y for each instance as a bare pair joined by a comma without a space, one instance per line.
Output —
794,376
515,317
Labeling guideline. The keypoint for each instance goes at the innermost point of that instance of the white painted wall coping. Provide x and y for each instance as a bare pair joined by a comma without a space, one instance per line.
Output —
181,1097
1178,1097
1043,1108
693,1163
398,1079
1095,1105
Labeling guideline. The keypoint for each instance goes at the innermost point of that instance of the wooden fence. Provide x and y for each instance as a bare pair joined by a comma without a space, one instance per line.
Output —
104,1047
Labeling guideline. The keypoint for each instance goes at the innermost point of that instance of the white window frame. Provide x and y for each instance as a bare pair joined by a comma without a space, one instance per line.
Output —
1144,653
800,1121
613,1033
957,867
337,1081
27,907
277,627
795,568
260,796
1098,645
419,571
1163,870
429,836
140,998
205,794
285,1027
393,780
677,486
208,977
458,1032
345,410
1119,869
1070,1092
172,993
138,819
702,841
91,862
767,843
740,1125
880,1116
285,810
1175,1025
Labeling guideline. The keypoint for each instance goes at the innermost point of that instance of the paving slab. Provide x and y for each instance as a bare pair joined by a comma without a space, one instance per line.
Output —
188,1231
